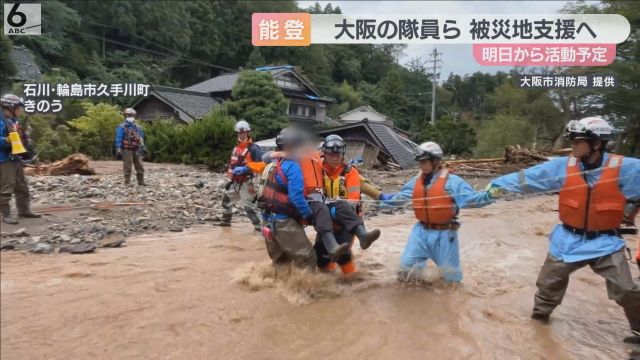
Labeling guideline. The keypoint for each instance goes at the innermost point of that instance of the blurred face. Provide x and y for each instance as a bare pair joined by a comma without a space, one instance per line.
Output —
243,135
426,166
581,149
333,159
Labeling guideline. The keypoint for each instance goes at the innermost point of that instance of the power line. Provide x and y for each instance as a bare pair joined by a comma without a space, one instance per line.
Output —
139,48
164,47
173,51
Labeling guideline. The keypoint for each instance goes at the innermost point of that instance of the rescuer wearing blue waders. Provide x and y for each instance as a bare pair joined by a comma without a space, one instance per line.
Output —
437,196
594,188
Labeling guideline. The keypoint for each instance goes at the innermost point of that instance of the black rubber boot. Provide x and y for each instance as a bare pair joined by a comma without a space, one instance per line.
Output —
6,216
543,318
140,178
226,220
635,339
335,250
29,214
366,238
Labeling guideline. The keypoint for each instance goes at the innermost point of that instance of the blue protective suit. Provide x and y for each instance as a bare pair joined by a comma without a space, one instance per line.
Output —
5,146
295,188
441,246
551,176
120,130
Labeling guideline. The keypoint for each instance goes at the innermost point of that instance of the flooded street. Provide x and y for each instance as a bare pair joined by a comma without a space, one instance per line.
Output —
211,293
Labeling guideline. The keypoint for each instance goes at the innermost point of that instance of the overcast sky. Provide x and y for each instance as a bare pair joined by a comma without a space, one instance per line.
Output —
457,59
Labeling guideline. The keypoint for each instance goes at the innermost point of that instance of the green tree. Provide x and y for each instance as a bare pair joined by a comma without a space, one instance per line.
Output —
257,99
97,129
501,131
7,68
391,100
455,137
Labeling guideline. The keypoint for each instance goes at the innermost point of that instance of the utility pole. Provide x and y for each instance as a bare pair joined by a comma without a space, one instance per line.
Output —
437,65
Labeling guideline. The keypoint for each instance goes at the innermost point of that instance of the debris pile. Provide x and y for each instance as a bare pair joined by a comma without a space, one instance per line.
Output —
515,158
72,164
101,211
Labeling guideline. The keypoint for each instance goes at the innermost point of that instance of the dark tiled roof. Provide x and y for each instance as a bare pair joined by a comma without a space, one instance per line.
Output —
400,149
220,83
190,105
26,67
390,142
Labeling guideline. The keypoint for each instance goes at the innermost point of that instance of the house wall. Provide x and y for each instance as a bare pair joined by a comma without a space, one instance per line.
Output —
152,108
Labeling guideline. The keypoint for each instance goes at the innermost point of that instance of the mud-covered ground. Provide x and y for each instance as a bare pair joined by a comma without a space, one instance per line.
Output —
210,292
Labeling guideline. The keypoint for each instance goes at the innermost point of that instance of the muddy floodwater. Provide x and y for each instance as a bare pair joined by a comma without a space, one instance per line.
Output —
210,293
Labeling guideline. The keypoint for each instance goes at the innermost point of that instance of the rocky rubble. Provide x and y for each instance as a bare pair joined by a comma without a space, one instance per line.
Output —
80,211
100,210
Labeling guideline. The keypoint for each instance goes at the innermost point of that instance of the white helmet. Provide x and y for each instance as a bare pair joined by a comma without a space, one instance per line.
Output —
129,111
11,101
591,128
242,126
428,151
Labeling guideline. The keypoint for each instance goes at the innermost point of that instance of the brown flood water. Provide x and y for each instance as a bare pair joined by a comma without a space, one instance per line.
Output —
211,294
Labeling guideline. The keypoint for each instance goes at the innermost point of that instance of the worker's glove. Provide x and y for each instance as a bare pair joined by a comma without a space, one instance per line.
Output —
332,211
118,153
385,197
493,191
240,170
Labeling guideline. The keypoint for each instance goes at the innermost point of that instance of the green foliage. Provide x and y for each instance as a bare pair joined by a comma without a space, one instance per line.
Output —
97,129
51,142
501,131
207,141
7,68
455,137
257,99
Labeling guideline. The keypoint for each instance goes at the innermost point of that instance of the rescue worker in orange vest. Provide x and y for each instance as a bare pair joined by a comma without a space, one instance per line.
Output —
594,187
239,190
284,206
437,196
342,189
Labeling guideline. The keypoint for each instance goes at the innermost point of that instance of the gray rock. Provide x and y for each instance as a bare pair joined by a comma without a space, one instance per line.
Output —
20,232
83,248
42,248
75,241
64,238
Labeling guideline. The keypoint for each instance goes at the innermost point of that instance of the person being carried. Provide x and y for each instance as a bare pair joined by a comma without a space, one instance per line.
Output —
342,189
239,190
437,196
594,187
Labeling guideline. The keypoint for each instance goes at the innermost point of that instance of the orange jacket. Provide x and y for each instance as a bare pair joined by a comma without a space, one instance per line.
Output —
342,182
241,156
597,208
312,173
435,205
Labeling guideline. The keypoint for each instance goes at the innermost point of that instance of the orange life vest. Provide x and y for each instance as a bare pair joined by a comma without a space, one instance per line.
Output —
239,157
275,196
433,205
341,182
312,174
598,208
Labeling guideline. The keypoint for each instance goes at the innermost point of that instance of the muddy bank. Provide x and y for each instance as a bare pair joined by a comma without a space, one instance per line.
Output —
209,293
